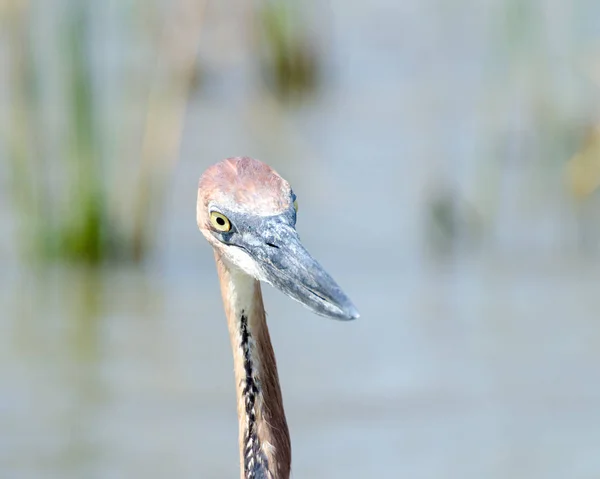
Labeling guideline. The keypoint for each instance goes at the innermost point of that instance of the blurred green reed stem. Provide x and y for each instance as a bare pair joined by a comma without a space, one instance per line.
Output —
83,235
290,62
45,234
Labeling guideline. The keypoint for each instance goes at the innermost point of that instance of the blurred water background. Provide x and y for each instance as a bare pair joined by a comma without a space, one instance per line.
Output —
446,158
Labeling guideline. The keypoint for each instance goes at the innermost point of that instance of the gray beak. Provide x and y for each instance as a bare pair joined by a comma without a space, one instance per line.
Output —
289,267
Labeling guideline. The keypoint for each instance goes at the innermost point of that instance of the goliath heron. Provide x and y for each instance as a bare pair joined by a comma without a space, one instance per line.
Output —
247,212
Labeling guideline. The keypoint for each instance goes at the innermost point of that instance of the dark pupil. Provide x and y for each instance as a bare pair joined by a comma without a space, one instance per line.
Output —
221,221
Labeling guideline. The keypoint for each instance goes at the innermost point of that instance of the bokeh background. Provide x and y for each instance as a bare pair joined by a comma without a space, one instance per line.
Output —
446,158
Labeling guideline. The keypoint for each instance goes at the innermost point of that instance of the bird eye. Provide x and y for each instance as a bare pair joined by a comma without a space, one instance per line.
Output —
220,222
296,205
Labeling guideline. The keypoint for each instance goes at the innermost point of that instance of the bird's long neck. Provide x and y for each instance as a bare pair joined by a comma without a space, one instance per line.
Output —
265,450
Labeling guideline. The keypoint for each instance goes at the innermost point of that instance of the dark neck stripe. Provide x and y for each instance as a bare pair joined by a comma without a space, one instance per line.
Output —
255,461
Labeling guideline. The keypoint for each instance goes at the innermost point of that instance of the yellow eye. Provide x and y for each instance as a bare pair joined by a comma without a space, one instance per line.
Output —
220,222
296,205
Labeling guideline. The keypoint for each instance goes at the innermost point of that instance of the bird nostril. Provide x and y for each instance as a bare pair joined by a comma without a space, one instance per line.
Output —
272,245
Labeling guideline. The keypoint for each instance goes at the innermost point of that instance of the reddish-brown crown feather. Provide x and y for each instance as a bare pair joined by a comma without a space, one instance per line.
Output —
243,184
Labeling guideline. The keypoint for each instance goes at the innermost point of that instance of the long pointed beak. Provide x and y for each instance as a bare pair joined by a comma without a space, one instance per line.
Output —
289,267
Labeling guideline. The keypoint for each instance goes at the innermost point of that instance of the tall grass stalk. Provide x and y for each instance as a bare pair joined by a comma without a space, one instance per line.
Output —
28,189
172,83
289,58
83,235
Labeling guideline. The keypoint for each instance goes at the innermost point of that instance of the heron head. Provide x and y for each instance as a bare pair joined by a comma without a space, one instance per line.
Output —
247,212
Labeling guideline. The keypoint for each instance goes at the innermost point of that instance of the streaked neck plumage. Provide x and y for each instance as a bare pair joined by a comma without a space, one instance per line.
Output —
265,450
